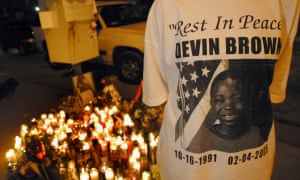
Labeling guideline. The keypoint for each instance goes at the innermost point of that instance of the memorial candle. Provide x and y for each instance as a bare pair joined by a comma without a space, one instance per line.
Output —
72,171
24,131
127,121
55,143
18,143
49,130
144,149
137,168
124,154
153,147
11,156
109,174
146,175
84,175
94,174
71,166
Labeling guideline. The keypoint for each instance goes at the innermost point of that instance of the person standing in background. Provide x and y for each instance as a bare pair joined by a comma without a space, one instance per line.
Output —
187,45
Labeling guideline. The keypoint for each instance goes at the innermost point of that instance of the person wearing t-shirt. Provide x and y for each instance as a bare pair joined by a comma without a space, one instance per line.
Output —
187,45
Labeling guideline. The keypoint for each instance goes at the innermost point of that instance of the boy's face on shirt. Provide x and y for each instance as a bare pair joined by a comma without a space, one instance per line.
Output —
227,102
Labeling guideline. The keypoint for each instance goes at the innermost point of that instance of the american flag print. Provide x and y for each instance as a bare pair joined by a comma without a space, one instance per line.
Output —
194,79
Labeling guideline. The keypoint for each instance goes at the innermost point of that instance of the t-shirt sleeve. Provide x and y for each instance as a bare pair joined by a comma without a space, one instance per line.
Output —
290,13
154,86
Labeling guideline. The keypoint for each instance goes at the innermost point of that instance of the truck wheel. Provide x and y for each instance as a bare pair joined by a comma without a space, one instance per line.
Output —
130,67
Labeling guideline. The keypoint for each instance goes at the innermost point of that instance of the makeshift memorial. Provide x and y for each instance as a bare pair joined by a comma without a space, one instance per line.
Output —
106,139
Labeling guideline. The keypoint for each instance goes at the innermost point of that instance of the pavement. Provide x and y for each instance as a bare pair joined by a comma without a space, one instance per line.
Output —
29,92
37,93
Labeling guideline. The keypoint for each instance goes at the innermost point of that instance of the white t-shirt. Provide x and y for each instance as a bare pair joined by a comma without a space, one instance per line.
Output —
213,63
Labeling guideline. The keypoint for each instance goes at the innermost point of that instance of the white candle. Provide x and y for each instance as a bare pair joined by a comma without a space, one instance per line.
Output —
62,135
55,143
87,108
62,169
109,174
153,144
85,146
49,130
146,175
24,130
137,168
144,148
71,166
62,114
104,147
84,175
44,116
18,143
94,174
113,110
82,135
140,138
127,121
124,147
136,154
11,156
70,122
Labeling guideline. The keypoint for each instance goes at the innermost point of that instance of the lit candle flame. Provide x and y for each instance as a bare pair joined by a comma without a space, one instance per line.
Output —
127,121
94,174
109,174
11,156
84,175
18,142
85,146
24,130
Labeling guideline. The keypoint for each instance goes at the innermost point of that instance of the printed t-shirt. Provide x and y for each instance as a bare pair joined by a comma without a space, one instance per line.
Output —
218,65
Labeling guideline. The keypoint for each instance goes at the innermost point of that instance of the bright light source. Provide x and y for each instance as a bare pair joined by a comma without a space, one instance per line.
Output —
37,9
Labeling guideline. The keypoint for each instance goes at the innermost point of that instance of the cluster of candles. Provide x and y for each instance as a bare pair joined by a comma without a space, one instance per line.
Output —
104,144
